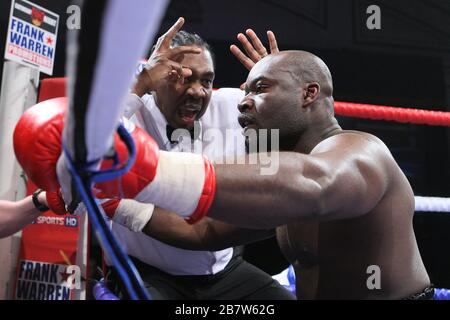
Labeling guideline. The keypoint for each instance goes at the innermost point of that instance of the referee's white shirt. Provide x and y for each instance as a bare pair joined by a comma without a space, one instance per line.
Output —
220,136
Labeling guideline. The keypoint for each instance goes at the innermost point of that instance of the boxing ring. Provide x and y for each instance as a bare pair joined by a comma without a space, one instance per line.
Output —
365,111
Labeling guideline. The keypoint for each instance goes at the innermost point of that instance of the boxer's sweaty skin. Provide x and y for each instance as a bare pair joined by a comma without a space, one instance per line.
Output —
383,237
333,254
298,242
344,249
331,258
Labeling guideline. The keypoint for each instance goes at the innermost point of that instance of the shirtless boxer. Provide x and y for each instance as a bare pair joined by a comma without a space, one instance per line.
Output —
358,203
341,202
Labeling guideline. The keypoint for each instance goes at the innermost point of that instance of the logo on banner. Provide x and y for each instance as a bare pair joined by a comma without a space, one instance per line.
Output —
32,34
37,16
46,281
68,221
71,222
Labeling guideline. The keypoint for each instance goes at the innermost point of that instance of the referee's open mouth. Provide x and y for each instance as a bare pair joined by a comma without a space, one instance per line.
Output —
188,114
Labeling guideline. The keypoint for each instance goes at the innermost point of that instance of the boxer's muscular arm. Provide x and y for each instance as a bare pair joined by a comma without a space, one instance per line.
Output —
207,234
345,176
14,216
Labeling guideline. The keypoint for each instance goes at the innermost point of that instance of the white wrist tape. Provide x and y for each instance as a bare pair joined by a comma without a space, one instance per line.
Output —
178,183
133,214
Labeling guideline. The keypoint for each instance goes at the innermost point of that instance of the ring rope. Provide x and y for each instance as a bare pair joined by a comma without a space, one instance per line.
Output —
403,115
432,204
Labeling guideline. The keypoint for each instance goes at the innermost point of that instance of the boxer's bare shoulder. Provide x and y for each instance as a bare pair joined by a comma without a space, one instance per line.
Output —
350,139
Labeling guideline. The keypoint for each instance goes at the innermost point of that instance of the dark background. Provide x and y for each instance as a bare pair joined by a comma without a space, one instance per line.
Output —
405,64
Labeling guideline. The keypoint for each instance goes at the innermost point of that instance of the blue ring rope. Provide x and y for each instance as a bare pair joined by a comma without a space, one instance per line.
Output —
84,180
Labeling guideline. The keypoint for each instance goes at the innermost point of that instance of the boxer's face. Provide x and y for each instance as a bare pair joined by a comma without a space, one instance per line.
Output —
184,103
273,101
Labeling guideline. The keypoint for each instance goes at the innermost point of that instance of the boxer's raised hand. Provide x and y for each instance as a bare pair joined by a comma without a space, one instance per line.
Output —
164,63
254,48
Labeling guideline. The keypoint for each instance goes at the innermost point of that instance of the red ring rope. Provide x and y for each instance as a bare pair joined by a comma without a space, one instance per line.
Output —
405,115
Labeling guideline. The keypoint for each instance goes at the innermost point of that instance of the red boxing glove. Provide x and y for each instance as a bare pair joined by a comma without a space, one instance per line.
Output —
55,202
181,182
37,142
37,145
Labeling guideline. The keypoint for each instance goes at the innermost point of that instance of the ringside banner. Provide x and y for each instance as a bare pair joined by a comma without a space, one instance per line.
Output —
31,36
46,266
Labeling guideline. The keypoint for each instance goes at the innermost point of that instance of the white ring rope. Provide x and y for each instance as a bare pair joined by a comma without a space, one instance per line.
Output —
432,204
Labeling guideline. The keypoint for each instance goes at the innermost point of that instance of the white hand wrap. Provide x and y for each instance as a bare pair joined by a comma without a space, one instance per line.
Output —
178,183
133,214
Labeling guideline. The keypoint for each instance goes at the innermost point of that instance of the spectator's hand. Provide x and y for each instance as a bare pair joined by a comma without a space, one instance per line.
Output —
164,63
254,49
